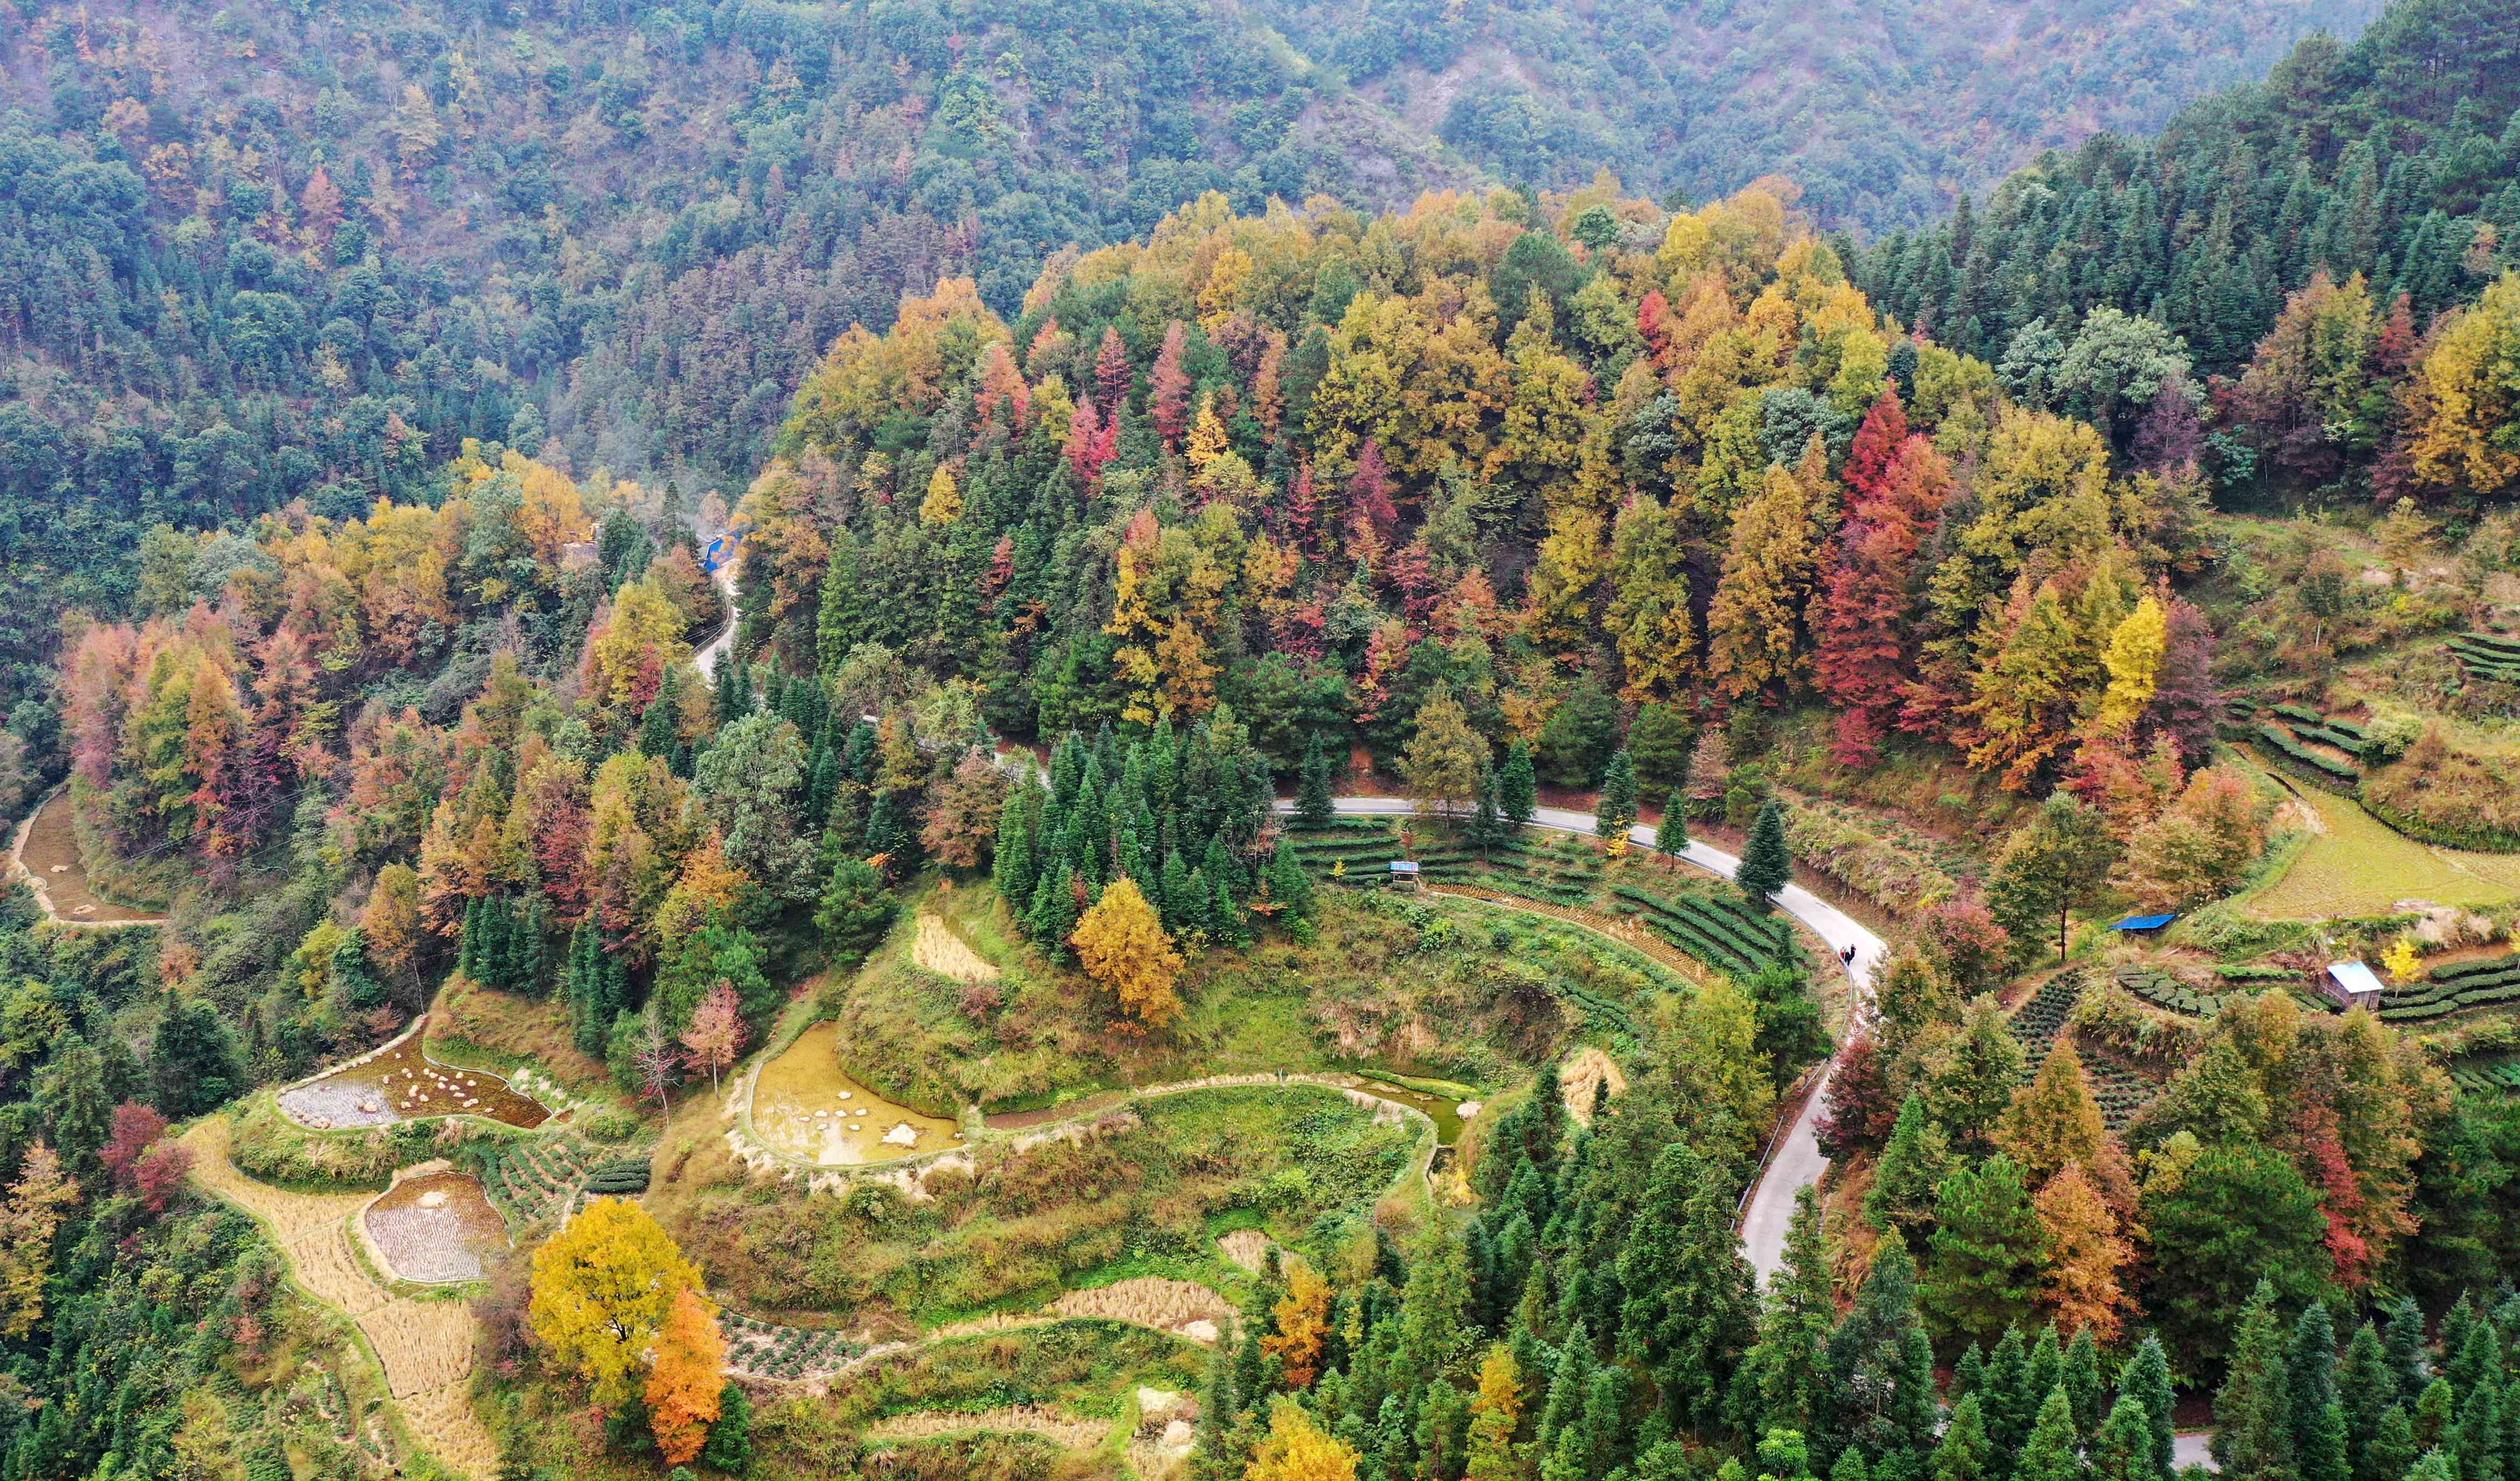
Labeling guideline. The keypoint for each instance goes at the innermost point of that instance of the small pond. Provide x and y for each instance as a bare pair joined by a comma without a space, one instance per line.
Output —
438,1228
1445,1111
403,1084
805,1105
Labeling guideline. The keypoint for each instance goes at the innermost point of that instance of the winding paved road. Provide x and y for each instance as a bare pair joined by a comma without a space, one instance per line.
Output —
705,657
1794,1162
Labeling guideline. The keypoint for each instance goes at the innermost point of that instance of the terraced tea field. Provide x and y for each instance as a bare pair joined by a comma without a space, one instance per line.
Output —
2455,988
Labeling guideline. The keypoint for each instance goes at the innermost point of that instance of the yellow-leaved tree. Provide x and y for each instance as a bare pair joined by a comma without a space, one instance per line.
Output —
1122,943
944,502
1493,1413
1303,1315
2404,962
689,1373
1298,1450
601,1290
2133,661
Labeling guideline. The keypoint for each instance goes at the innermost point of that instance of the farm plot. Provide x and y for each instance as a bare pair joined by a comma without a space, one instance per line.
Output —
2455,988
2488,1075
2122,1092
425,1347
2493,658
2164,991
1716,927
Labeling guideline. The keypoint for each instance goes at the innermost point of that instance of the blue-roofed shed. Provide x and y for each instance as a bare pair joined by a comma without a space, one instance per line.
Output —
2143,926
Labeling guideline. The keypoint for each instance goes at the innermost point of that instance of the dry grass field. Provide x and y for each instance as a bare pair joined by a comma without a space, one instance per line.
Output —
425,1346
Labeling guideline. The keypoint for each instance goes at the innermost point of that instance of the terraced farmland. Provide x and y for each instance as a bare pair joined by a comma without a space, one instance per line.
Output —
2455,988
1716,927
2166,991
2122,1092
546,1181
2312,746
2488,1075
2492,657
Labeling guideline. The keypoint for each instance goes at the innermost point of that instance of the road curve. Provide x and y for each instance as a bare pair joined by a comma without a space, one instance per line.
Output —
1794,1162
705,658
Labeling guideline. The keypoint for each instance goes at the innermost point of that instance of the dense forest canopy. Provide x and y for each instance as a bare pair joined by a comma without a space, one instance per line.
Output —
935,1014
259,254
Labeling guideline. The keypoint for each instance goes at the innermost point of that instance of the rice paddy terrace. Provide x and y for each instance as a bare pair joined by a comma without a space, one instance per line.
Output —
398,1083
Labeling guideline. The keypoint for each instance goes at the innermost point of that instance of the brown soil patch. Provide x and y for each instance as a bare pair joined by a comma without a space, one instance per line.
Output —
48,853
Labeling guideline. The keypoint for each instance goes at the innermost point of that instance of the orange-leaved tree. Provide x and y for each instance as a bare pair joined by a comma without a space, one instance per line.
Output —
1122,943
1303,1315
684,1386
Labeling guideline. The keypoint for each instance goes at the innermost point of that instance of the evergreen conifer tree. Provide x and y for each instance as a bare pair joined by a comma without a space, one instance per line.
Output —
2368,1391
1616,812
2317,1415
2052,1453
1964,1453
1987,1246
2146,1380
2009,1404
1767,865
1313,805
1794,1328
2123,1449
2251,1415
1519,784
1671,835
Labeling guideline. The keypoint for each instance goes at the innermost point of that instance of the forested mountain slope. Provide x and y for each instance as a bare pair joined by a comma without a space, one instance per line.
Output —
2394,157
254,253
1882,112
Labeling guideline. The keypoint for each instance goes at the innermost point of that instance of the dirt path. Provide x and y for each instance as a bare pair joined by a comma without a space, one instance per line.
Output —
425,1347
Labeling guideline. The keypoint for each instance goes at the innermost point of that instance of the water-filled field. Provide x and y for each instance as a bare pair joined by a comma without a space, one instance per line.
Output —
51,853
403,1084
436,1228
807,1106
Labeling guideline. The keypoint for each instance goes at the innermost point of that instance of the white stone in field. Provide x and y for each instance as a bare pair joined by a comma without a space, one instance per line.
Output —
1469,1109
1200,1331
902,1135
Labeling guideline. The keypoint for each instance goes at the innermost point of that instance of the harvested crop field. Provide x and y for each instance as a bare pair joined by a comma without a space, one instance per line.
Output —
425,1347
1051,1425
436,1229
938,949
48,851
1184,1308
2356,865
808,1107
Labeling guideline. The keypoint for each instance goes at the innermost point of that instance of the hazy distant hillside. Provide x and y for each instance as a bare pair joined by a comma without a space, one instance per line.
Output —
253,253
1881,109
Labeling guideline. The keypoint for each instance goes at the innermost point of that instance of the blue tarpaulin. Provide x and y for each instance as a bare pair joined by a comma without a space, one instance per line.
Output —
2143,923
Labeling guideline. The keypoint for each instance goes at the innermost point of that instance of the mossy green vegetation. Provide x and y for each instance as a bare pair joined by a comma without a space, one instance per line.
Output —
1143,1187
